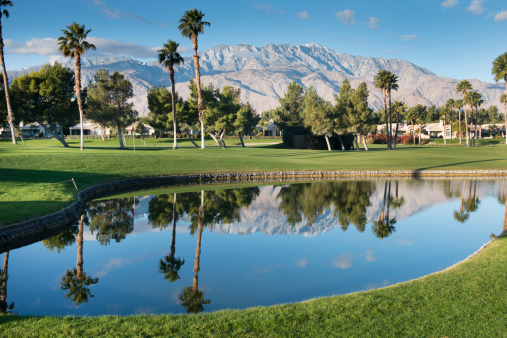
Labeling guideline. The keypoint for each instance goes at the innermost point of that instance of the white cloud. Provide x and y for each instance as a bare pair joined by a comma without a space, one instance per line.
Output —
449,3
343,262
267,8
373,22
302,262
370,255
405,242
303,15
346,16
476,7
501,16
49,46
409,37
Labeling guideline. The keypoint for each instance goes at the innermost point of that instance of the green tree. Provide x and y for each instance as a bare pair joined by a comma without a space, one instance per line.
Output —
359,116
73,44
191,25
500,72
392,84
10,115
245,121
416,115
447,112
108,97
342,107
44,97
111,219
318,115
463,87
169,57
475,101
433,115
289,113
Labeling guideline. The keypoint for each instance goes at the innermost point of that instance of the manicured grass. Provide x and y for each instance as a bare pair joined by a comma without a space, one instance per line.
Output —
466,300
28,173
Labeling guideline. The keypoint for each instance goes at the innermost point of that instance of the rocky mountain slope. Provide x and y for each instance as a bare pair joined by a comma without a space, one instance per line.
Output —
263,74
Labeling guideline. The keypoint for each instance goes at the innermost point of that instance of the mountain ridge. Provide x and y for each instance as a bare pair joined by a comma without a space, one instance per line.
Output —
263,75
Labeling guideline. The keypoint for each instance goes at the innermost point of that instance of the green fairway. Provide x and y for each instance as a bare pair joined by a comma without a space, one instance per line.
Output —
466,300
30,175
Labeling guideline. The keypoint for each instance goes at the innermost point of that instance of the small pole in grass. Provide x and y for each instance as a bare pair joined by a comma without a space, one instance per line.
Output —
75,186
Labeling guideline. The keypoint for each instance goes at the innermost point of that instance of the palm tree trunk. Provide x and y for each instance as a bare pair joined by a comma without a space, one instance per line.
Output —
505,117
77,88
397,125
122,146
173,238
445,141
10,117
173,93
459,125
504,228
356,137
420,132
466,127
195,284
413,132
387,118
3,287
384,202
79,240
390,120
198,83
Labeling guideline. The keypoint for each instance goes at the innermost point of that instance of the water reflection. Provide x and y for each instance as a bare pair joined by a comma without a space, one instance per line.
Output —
5,307
75,281
337,248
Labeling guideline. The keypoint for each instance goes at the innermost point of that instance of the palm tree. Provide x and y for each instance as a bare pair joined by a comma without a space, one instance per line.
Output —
10,118
191,25
458,104
381,81
475,100
503,99
169,57
449,105
463,87
500,72
400,108
392,84
73,44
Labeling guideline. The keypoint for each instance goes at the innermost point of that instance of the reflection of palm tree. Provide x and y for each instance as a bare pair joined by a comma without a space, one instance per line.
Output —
461,216
505,219
75,280
384,227
4,307
501,197
191,298
472,202
170,266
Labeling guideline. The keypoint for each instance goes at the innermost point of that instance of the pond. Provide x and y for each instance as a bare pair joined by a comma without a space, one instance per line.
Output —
170,251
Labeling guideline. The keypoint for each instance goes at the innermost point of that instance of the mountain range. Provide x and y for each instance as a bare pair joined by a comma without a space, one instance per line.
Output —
264,73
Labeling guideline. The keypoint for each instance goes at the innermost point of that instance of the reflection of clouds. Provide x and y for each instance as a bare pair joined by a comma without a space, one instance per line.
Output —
266,269
117,263
302,262
145,309
405,242
369,255
343,262
114,308
35,303
376,286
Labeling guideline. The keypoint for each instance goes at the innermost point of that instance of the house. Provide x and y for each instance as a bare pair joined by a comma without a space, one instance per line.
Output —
89,128
33,130
150,131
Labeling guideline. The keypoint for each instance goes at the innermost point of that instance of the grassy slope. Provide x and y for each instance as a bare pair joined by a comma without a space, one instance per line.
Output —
466,300
27,173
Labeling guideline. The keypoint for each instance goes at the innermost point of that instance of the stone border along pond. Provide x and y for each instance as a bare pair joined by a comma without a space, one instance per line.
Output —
20,234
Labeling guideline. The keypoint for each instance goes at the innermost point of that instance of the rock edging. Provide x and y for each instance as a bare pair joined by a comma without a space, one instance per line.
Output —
27,232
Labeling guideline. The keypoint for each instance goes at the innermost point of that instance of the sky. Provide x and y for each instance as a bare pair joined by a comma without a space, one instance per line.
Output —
452,38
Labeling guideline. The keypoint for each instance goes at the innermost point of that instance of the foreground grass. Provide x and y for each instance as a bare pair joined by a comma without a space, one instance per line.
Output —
30,175
469,299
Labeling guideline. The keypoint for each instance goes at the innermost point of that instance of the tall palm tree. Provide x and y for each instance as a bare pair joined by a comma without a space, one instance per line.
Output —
500,72
463,87
73,44
400,108
449,105
503,99
191,25
458,104
475,100
392,84
10,117
381,80
169,57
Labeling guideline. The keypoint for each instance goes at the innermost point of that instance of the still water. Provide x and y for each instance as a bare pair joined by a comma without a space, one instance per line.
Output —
233,248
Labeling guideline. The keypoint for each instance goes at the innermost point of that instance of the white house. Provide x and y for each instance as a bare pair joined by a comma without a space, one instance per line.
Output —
89,128
149,129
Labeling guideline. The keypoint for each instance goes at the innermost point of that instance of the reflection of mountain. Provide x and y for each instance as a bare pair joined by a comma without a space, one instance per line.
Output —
263,213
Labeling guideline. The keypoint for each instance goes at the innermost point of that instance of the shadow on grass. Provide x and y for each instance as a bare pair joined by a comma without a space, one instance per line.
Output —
455,164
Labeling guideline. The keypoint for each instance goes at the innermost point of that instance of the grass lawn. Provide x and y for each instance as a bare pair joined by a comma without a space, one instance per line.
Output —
469,299
30,175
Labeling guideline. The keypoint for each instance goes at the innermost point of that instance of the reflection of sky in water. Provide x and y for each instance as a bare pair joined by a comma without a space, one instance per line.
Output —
242,265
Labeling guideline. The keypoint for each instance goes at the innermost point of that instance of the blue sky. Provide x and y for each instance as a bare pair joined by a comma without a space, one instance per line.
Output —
454,38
